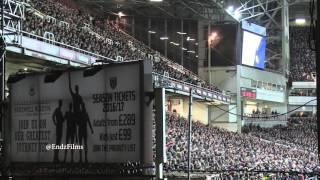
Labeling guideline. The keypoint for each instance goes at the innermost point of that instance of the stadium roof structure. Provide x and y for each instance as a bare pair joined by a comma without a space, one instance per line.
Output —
263,12
180,9
266,13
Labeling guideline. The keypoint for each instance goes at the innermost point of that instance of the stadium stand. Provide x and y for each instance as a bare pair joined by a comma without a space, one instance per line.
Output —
284,149
80,30
300,132
216,149
303,64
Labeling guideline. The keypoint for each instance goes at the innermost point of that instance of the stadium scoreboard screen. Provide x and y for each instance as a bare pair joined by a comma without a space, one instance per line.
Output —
98,114
253,45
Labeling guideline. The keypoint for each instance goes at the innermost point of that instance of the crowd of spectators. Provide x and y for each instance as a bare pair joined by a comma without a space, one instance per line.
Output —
300,132
215,149
302,58
77,28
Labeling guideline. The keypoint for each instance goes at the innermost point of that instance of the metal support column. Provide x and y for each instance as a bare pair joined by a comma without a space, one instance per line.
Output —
318,71
239,99
149,34
285,37
2,70
190,133
160,131
133,33
181,42
166,41
209,53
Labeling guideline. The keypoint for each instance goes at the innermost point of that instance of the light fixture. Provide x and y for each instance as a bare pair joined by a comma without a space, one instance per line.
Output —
196,44
156,0
213,36
25,69
184,49
182,33
300,21
191,52
190,39
230,9
164,38
176,44
151,32
120,14
197,56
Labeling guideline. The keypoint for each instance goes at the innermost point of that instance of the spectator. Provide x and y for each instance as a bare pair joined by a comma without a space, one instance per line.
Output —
302,57
77,28
215,149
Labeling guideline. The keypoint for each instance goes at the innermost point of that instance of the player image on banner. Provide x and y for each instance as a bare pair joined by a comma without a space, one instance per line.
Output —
100,113
57,118
84,120
71,135
81,118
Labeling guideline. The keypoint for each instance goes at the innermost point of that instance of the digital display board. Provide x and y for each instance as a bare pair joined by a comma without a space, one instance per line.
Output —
253,50
248,93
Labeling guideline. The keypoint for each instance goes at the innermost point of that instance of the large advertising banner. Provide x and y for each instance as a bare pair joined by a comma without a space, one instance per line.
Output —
94,118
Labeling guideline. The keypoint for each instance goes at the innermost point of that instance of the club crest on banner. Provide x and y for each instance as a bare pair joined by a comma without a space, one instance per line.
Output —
113,82
32,91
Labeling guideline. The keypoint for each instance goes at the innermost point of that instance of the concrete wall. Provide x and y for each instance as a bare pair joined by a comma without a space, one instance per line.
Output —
260,75
228,126
218,114
223,77
199,109
300,100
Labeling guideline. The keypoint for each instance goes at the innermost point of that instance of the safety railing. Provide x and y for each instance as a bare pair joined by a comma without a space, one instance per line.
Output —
171,83
33,36
264,117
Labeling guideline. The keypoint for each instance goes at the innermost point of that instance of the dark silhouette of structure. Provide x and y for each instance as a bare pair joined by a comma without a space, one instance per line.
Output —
76,98
84,120
58,119
71,135
76,102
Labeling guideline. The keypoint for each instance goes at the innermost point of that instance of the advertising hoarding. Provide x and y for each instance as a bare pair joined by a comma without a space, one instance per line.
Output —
101,113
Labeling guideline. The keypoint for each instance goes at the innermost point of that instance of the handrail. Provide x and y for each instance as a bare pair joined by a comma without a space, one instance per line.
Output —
68,46
189,84
96,55
185,70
